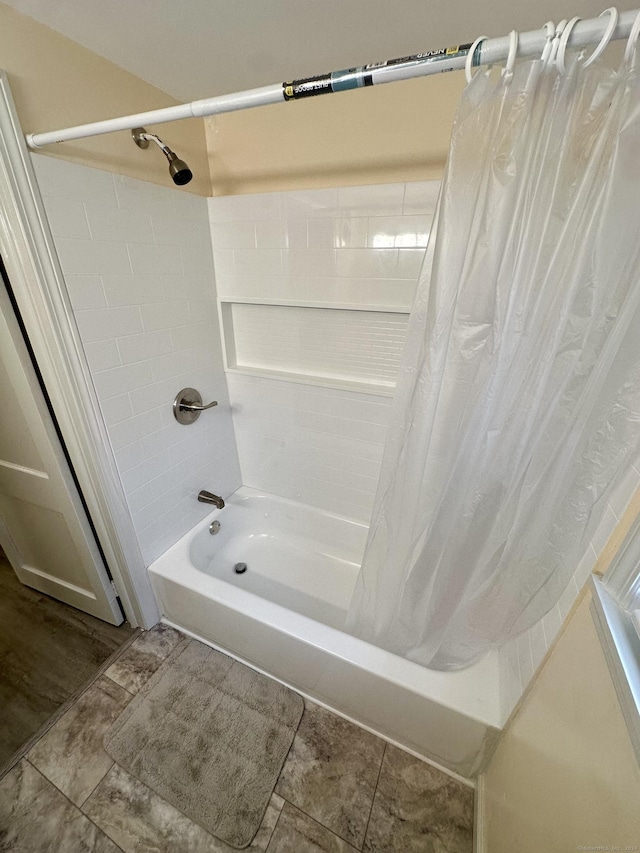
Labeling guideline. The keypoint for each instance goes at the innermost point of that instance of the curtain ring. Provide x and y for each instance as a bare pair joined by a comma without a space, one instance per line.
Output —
606,38
630,49
562,44
507,71
551,58
469,60
550,28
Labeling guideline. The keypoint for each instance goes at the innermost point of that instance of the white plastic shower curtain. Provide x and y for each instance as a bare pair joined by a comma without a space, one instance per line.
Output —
518,401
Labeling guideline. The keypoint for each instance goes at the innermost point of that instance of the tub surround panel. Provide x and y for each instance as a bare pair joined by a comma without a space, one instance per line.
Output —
316,445
138,266
315,439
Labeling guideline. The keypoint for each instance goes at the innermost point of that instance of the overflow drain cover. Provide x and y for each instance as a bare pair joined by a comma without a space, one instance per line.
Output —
239,568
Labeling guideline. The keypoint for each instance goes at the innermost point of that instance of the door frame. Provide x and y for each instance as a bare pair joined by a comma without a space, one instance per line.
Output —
40,292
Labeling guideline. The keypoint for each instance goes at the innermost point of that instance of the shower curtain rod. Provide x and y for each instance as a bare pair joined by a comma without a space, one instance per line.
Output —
419,65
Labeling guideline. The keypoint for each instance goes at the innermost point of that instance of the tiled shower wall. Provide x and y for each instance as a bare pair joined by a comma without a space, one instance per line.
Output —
318,442
137,263
322,445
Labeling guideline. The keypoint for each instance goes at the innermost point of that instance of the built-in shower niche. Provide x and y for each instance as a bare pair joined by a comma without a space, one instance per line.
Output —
342,346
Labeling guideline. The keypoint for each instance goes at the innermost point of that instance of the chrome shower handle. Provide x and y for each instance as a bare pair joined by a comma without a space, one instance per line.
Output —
194,407
188,405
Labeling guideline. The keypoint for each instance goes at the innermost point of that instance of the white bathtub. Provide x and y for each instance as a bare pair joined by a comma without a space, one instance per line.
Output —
284,616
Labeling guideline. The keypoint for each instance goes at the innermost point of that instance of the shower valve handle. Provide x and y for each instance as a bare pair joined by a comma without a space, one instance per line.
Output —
188,405
194,407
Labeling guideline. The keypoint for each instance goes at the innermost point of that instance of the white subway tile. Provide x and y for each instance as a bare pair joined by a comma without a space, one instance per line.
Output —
257,261
235,235
133,289
127,457
288,234
116,409
367,263
197,261
309,204
142,196
119,380
410,263
190,287
189,205
134,428
101,355
337,233
169,229
66,218
421,197
241,208
551,624
625,490
140,498
140,347
152,259
85,291
164,315
538,644
585,567
88,257
395,292
398,232
102,323
607,525
374,200
524,658
309,262
168,443
174,363
224,264
151,396
118,225
204,311
63,179
193,335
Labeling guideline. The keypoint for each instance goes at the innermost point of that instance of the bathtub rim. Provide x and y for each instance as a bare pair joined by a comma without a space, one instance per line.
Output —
481,705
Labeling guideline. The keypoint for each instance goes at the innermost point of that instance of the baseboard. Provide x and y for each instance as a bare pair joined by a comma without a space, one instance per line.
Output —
478,817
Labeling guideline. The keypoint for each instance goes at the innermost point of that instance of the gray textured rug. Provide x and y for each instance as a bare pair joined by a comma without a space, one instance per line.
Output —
210,736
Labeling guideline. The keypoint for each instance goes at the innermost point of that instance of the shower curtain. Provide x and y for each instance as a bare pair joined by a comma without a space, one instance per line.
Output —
518,400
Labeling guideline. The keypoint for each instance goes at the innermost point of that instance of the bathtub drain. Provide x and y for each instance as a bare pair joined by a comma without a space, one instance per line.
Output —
240,568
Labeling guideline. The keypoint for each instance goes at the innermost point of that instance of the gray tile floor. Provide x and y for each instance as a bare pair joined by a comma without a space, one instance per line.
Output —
341,788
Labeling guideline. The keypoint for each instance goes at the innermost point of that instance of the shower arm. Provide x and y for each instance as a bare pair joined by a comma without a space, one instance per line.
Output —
430,62
144,137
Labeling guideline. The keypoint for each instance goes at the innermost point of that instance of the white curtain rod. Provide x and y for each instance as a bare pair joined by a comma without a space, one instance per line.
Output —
420,65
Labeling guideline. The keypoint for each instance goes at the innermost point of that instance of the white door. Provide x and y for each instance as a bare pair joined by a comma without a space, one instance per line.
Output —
44,530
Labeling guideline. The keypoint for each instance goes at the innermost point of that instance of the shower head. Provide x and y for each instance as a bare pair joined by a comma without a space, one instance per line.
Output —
180,173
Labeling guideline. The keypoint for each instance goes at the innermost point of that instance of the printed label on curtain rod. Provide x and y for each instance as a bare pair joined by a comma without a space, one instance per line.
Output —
360,76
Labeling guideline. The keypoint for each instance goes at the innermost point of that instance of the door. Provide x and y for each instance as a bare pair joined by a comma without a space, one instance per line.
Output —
44,529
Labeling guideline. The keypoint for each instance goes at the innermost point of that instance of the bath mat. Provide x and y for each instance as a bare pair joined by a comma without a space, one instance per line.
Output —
210,736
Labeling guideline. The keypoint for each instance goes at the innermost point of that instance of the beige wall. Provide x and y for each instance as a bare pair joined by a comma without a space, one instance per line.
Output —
392,133
565,773
56,83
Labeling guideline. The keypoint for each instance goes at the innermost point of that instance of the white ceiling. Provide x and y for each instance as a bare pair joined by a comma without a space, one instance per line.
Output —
200,48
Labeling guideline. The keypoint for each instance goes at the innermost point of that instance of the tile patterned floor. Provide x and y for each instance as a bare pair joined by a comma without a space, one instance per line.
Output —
341,789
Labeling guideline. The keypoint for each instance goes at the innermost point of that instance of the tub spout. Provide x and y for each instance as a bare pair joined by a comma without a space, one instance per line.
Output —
207,498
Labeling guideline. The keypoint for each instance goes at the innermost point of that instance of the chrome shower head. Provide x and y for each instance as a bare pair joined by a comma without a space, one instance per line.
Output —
180,173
